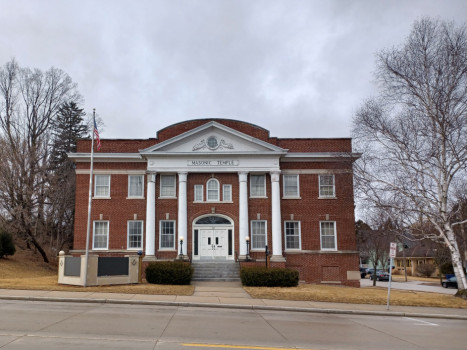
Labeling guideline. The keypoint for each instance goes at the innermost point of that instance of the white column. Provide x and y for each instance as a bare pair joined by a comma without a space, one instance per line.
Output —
243,213
182,212
276,217
151,217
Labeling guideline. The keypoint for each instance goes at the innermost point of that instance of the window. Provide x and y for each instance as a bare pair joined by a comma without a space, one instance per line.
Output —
326,186
291,188
168,186
227,193
135,186
212,190
257,186
102,186
135,235
328,235
100,239
167,234
199,193
292,235
258,234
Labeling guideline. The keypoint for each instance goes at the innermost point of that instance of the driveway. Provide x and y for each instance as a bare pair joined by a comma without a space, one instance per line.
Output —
419,286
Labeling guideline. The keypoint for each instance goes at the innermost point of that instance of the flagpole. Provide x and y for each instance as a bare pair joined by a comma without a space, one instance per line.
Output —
89,201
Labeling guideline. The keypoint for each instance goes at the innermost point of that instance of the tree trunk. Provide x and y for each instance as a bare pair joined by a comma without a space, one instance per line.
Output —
38,247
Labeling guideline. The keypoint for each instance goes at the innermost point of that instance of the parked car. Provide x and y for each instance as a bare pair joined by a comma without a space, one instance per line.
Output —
362,272
450,282
380,276
369,271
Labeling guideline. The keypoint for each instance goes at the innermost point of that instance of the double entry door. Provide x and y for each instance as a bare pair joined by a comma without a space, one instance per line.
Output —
213,243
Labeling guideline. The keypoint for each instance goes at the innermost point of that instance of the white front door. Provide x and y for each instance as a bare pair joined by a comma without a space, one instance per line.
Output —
213,243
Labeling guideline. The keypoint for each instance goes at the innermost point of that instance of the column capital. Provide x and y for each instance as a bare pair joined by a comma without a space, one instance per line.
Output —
151,176
182,176
275,175
243,176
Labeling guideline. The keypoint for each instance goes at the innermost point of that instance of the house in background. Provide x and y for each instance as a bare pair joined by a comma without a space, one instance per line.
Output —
222,190
414,256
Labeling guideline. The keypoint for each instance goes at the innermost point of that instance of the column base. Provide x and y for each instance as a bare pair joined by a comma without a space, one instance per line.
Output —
149,258
277,258
182,257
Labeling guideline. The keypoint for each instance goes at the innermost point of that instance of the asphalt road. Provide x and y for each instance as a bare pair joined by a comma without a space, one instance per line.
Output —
56,325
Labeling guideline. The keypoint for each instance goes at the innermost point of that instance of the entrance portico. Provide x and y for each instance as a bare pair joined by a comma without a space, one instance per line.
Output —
213,238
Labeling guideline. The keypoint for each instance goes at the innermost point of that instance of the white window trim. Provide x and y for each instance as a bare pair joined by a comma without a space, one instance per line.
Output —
265,188
95,186
132,197
160,186
94,234
175,236
128,235
265,235
299,236
321,236
207,190
223,193
298,187
333,186
202,194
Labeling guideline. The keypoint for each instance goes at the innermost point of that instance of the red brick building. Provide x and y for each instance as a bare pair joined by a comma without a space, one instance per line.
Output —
216,185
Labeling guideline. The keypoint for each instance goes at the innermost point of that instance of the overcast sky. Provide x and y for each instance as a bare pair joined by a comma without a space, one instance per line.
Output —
296,68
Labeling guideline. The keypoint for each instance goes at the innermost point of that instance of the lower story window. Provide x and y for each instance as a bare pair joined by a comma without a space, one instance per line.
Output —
258,234
167,234
135,234
100,237
292,235
328,235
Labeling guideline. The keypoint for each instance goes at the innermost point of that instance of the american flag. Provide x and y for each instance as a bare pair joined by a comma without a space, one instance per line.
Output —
96,133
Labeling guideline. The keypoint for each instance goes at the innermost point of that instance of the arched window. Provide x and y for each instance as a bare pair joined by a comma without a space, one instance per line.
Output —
213,220
212,187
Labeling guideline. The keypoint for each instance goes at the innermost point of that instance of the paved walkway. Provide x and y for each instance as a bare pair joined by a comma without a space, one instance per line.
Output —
231,295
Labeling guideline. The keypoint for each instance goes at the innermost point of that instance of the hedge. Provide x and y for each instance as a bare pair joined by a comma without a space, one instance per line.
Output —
272,277
169,272
7,245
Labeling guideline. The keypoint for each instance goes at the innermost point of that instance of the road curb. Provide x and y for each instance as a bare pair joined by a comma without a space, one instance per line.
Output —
235,306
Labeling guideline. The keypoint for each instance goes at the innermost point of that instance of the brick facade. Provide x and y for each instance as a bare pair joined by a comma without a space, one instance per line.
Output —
315,157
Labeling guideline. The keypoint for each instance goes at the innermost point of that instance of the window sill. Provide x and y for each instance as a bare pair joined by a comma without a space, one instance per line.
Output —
291,197
212,202
134,197
334,197
99,249
134,249
262,197
167,250
328,250
167,198
297,250
101,198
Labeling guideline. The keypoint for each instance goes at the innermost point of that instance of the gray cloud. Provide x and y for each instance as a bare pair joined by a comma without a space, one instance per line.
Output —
297,68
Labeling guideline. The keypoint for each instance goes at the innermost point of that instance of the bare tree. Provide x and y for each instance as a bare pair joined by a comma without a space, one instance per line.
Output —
29,100
414,134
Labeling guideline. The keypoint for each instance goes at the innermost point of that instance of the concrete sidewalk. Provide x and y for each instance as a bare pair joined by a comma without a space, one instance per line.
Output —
231,295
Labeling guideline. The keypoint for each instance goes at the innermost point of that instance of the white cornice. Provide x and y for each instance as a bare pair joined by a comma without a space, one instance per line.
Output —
320,157
106,157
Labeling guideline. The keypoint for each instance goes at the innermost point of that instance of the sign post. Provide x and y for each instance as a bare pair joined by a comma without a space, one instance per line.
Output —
392,254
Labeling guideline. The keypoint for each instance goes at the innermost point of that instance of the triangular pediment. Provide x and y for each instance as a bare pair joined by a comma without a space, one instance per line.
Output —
212,138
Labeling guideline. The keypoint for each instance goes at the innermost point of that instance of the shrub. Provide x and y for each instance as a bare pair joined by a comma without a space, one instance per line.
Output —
264,277
169,272
447,268
7,246
426,270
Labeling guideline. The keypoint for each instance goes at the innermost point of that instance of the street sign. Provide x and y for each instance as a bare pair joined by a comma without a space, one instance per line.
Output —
392,250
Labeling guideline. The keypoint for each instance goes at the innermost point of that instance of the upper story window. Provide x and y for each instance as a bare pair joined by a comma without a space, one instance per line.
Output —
168,186
328,235
227,193
102,186
212,190
326,186
100,237
291,186
257,185
136,186
199,193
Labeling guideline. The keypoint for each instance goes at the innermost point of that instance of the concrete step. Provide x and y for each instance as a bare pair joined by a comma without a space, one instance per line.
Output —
216,271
